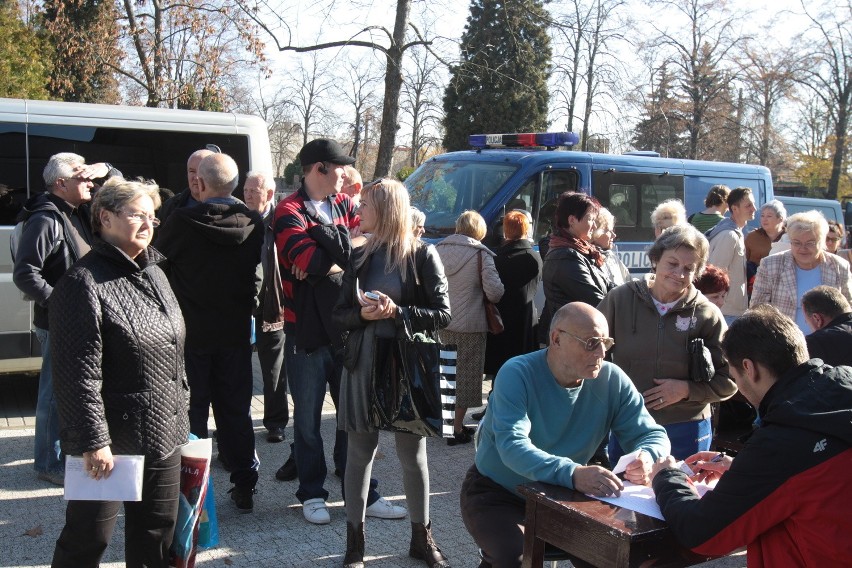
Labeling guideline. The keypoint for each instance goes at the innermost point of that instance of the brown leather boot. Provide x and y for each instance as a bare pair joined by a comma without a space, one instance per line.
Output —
424,548
354,546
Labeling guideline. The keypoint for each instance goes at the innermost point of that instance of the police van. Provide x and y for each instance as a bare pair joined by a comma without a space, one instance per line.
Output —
529,171
147,142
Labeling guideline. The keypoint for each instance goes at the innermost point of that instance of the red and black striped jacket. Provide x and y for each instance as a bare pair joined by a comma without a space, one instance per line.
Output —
786,495
296,247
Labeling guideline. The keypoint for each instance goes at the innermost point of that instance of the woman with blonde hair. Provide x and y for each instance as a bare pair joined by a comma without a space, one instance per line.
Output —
407,278
604,238
782,279
669,212
470,270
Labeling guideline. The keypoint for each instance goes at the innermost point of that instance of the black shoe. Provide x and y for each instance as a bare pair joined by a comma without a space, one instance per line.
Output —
478,415
461,437
287,472
243,498
275,435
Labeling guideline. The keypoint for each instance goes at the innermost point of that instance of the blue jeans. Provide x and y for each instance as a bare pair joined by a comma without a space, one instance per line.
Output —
48,456
687,438
308,375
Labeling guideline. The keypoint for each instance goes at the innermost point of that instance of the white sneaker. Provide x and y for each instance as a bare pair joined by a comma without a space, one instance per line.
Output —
385,510
315,511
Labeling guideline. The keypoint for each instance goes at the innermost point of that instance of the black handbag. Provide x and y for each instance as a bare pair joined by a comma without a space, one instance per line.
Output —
701,368
413,384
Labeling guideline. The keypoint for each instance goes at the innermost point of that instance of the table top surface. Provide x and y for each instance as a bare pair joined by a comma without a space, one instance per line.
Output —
629,524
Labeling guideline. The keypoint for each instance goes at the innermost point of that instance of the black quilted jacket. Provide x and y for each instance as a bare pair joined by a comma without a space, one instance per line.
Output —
116,338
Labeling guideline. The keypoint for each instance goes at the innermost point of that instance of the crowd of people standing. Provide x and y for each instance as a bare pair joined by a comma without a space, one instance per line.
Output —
142,341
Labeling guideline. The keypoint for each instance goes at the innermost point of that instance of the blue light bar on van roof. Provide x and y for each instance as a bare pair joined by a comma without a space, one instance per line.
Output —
546,139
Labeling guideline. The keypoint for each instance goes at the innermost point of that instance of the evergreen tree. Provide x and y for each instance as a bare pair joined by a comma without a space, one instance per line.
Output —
84,38
23,57
500,82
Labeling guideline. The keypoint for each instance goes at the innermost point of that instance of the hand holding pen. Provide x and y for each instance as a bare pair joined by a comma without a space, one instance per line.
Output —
708,466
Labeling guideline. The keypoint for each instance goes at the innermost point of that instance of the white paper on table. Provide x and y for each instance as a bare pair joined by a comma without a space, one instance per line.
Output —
640,498
624,461
123,484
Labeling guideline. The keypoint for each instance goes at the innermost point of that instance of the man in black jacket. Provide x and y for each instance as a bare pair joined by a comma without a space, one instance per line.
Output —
783,496
830,316
54,235
213,250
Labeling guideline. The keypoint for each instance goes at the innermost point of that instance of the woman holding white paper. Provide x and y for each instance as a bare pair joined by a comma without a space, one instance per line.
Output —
117,338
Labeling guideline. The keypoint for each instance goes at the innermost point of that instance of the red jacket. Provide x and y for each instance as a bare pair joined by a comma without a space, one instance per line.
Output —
786,495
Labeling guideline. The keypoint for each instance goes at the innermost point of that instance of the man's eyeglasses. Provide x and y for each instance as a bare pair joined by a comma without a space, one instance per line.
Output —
592,343
139,218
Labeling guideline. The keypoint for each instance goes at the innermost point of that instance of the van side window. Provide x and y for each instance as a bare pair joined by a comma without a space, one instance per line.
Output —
631,196
152,154
554,184
13,171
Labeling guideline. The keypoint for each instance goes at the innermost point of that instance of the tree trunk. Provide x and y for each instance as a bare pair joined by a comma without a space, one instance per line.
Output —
393,87
840,134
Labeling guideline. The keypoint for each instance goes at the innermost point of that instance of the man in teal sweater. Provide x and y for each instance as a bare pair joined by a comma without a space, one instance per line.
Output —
547,414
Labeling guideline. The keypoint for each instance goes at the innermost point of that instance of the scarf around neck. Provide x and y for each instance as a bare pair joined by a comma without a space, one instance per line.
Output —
563,239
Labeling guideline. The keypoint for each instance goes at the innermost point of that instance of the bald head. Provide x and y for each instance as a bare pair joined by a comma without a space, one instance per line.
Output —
576,351
218,174
192,171
576,317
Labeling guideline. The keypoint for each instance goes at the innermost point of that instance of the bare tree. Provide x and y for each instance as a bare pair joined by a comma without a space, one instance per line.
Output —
586,68
308,89
358,88
569,31
277,110
421,95
829,76
700,53
180,51
768,76
393,50
603,29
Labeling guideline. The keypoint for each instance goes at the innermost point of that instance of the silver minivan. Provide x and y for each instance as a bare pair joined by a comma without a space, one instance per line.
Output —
148,142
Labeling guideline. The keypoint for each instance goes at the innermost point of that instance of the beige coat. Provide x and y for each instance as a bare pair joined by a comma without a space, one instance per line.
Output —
461,266
775,282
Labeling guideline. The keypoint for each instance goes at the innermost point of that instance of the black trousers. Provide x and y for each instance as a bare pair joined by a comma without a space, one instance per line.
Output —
149,524
222,377
270,353
494,517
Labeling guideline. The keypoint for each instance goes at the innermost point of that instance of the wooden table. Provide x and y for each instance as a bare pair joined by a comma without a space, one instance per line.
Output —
595,532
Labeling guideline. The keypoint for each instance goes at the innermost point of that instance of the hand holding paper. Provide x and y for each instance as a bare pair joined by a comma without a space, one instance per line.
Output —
124,483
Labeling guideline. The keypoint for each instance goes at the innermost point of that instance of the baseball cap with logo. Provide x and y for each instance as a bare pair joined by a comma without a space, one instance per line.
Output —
324,150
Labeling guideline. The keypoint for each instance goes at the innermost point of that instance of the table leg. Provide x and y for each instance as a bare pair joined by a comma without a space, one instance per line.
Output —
533,547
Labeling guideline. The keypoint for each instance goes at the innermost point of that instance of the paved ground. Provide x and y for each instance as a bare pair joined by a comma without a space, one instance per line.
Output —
276,534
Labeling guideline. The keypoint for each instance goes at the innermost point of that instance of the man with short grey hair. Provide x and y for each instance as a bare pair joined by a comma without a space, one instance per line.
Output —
213,250
259,191
829,314
54,234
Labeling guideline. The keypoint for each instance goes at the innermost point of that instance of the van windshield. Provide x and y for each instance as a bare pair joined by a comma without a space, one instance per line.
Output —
443,190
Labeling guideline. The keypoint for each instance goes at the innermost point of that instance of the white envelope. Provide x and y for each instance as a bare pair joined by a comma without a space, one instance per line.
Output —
123,484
